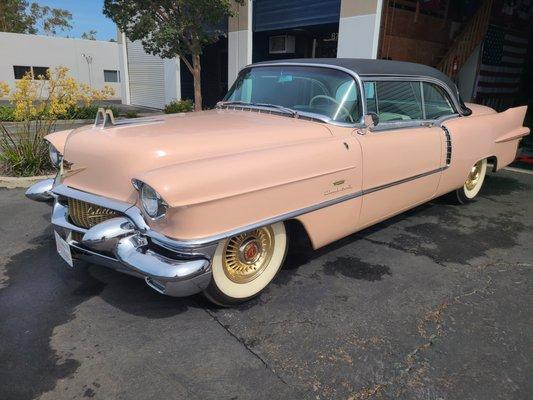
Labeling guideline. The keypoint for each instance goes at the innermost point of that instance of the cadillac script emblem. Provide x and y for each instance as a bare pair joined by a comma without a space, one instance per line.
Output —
99,212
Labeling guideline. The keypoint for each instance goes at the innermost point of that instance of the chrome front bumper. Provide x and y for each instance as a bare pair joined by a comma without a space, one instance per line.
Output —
127,244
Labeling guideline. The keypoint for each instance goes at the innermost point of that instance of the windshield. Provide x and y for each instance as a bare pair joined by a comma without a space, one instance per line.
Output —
323,91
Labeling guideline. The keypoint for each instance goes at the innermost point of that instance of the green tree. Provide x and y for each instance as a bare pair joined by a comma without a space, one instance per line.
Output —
19,16
90,35
173,28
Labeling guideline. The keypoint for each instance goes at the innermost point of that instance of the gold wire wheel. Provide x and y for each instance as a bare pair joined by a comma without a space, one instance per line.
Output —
474,175
247,255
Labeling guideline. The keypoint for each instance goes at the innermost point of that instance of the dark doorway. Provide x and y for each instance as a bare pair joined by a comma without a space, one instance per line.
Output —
214,62
316,41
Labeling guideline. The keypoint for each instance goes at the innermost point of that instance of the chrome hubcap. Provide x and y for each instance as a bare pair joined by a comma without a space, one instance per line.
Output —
247,255
474,175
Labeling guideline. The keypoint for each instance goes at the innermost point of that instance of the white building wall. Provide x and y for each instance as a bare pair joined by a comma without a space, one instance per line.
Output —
359,26
151,81
240,40
239,52
46,51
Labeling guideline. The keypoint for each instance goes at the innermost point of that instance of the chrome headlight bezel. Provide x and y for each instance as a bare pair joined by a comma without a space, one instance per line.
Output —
55,156
152,203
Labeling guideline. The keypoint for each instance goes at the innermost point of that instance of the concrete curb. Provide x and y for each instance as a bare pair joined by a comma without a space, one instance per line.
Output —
11,182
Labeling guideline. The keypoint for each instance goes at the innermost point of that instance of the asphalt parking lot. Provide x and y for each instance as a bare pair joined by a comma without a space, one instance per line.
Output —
433,304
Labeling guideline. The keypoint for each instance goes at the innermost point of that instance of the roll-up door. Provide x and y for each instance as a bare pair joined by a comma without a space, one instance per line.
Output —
146,77
274,14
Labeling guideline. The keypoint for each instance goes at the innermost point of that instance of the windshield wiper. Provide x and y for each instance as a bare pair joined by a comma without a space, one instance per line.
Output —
286,110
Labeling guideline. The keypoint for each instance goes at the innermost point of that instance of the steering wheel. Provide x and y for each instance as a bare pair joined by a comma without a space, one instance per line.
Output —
342,107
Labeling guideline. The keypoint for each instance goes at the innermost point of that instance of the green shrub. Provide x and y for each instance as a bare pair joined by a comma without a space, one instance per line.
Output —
24,153
179,106
7,114
37,105
87,112
130,114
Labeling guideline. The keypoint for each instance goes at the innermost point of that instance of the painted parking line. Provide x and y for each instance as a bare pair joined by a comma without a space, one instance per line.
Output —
523,171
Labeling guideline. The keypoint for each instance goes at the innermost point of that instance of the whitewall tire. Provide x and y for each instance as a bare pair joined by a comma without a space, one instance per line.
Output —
473,183
245,264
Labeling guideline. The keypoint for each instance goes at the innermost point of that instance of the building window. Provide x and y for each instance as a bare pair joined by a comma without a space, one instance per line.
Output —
40,71
111,76
20,71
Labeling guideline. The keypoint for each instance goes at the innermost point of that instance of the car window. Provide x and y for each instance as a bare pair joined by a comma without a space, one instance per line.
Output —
398,101
370,95
436,101
315,90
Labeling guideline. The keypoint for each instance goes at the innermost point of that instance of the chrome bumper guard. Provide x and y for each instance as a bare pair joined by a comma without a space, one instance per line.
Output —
119,243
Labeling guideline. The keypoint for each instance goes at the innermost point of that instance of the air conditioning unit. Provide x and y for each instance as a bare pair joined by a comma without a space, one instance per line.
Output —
281,44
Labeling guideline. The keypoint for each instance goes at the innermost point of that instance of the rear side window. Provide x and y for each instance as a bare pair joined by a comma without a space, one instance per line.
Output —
398,101
402,101
436,101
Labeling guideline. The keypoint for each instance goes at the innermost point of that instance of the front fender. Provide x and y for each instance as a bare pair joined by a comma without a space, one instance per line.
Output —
59,139
212,196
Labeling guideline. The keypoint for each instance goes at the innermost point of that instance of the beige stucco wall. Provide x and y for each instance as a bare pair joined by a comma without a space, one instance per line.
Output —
239,40
359,28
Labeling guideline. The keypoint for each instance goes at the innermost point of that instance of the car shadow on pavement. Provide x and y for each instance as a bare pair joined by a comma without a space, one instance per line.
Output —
41,293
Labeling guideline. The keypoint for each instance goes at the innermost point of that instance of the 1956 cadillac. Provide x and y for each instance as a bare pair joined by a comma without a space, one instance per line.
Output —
203,202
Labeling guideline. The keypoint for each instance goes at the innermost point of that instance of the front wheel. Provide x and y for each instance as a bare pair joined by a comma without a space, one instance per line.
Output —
245,264
473,183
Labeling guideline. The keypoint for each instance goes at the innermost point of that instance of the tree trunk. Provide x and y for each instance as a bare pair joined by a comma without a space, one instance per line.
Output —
197,75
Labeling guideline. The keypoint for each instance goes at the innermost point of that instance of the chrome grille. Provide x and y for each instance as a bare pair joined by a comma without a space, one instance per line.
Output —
87,215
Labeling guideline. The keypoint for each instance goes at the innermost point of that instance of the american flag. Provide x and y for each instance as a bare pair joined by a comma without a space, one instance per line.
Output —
502,61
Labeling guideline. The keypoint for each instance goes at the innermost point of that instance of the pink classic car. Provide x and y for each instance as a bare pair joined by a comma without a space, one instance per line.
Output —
206,201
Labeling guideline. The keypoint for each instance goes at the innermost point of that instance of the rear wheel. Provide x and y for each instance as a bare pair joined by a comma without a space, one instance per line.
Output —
473,183
245,264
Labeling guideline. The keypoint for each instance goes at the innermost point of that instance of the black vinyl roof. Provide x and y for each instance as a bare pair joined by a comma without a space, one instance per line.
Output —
370,67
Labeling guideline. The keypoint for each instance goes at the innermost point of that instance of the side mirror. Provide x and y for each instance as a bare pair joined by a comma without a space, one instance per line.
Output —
371,120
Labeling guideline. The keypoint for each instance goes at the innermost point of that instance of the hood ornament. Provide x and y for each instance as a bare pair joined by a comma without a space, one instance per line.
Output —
104,117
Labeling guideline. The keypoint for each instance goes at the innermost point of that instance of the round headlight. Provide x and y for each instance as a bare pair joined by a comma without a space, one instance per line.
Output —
55,156
152,202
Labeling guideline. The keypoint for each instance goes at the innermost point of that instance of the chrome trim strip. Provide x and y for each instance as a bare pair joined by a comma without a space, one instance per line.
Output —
175,244
289,215
405,180
60,218
64,190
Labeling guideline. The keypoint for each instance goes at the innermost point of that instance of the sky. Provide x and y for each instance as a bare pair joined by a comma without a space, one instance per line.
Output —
86,15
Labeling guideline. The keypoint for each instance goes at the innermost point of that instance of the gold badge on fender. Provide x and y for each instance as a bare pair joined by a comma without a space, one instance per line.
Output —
338,186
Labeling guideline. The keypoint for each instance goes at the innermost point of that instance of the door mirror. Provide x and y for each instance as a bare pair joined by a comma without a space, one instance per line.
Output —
371,119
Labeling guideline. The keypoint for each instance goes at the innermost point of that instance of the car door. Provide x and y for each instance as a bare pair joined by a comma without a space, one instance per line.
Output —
403,156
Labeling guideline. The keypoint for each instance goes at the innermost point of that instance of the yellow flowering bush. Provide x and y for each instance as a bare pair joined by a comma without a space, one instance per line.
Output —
4,89
38,102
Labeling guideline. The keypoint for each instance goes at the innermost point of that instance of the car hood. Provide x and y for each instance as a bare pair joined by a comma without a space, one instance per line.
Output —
103,161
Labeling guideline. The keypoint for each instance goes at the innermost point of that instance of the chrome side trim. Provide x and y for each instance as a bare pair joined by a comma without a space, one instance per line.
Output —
191,246
296,213
405,180
448,145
